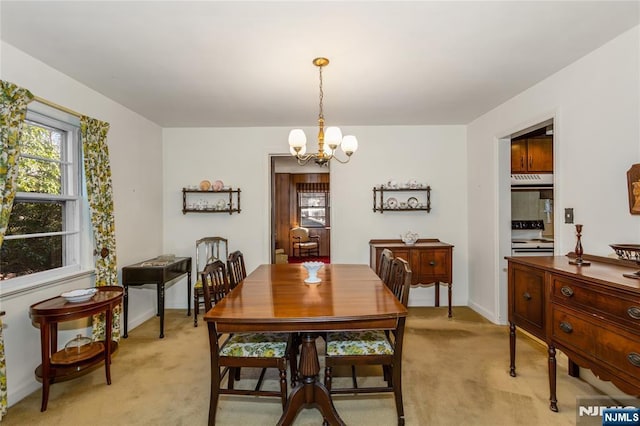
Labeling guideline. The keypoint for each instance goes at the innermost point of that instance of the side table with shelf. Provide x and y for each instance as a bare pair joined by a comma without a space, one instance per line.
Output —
56,364
211,204
420,196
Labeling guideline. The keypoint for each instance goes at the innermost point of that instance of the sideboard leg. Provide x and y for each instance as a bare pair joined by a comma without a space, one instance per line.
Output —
553,400
512,349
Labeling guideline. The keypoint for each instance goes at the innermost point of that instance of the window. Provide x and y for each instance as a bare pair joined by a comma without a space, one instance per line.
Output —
44,234
313,204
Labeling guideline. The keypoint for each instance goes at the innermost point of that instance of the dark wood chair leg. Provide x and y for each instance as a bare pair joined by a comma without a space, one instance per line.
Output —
196,307
327,378
396,375
283,385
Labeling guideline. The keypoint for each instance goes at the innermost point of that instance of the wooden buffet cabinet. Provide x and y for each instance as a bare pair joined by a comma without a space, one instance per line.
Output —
591,313
431,261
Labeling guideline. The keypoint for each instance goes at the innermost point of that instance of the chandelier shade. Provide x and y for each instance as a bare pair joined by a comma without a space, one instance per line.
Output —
329,139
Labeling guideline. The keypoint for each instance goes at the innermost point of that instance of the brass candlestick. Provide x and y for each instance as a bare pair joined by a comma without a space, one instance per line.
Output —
578,250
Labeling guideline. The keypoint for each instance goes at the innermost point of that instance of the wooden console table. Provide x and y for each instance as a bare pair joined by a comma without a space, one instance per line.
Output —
431,261
56,366
591,313
158,272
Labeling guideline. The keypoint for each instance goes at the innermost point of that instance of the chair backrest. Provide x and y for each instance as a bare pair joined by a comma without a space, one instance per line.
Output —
237,270
215,285
400,279
384,265
300,234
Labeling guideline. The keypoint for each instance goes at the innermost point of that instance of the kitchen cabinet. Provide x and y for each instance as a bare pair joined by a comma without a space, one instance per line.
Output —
592,314
532,155
431,262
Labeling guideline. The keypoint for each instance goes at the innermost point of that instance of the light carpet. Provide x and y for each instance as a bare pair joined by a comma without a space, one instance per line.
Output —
455,372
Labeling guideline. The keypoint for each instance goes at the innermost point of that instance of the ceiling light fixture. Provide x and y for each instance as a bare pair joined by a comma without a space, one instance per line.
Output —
328,141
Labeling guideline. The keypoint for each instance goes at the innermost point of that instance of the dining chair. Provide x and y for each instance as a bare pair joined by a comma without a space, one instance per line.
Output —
237,270
373,347
208,249
384,265
228,353
306,243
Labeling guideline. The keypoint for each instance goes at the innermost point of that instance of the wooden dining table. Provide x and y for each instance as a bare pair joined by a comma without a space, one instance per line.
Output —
275,298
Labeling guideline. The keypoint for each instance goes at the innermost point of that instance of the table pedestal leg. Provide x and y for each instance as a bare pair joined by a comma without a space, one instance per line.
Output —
310,392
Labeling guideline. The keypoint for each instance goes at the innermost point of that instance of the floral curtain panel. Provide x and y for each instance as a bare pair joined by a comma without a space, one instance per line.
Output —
12,113
97,171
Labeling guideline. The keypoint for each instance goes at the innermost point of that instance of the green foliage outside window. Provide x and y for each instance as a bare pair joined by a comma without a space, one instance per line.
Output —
40,171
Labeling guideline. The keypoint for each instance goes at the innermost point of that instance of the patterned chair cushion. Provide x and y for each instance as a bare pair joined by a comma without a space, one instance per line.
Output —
256,345
371,342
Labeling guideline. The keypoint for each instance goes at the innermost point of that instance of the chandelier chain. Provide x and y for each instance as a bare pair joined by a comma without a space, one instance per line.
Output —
321,115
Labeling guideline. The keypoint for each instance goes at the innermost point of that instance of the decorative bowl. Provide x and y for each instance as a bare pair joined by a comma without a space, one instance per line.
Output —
80,295
312,268
627,251
409,238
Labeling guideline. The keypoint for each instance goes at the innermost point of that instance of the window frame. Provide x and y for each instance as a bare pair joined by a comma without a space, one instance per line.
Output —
326,207
76,230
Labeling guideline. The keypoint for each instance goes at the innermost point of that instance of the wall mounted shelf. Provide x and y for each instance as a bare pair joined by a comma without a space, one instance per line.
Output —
401,199
223,201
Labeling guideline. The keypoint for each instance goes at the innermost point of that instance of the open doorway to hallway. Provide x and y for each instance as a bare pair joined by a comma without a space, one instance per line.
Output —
300,197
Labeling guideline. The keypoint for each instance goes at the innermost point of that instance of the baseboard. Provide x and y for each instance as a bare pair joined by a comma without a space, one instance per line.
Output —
484,312
16,395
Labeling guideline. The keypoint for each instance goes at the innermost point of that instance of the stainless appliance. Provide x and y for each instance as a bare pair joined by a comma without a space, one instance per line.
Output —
527,239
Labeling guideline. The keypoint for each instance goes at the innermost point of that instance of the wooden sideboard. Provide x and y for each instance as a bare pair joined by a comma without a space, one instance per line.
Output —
591,313
431,261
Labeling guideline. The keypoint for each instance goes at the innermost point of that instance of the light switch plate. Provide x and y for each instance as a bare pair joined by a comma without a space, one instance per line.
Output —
568,215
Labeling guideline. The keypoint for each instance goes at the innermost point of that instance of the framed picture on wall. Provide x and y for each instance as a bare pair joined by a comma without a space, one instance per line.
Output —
633,186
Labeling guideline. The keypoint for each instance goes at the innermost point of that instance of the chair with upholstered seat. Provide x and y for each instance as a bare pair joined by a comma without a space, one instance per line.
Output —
261,350
305,243
384,265
374,347
237,270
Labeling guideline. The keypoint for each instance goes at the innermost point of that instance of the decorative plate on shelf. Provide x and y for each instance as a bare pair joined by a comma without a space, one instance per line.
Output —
218,185
392,203
412,202
221,205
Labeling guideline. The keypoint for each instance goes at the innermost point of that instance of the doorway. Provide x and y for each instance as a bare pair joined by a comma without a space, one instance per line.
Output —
527,204
300,196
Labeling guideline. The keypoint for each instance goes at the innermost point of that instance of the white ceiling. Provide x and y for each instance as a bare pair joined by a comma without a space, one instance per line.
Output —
213,63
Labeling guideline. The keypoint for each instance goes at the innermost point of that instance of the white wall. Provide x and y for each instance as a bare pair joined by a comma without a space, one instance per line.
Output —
595,104
136,164
240,158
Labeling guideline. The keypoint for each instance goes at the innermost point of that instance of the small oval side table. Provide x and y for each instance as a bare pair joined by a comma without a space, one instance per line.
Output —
56,365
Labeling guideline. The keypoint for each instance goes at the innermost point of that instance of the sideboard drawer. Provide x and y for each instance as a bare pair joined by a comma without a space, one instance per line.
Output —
573,332
617,307
621,350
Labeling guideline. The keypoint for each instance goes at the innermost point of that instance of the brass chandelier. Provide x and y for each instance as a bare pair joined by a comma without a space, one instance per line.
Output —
328,140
